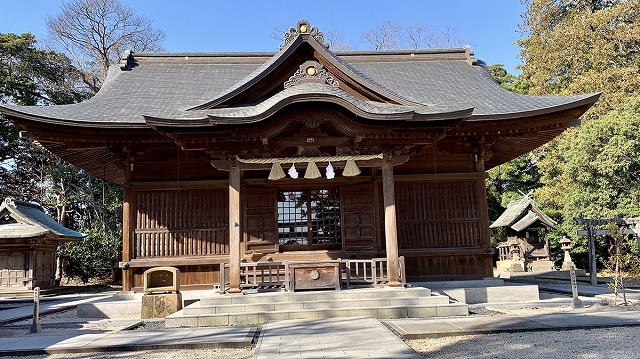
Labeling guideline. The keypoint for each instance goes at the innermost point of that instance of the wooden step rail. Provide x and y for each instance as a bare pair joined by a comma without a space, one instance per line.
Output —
272,275
256,275
370,271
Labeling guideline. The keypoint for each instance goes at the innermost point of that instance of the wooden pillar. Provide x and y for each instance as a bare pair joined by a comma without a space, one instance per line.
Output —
591,249
483,214
127,238
234,227
127,226
390,226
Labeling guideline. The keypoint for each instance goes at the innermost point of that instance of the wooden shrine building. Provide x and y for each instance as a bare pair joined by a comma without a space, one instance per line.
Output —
28,241
390,150
527,246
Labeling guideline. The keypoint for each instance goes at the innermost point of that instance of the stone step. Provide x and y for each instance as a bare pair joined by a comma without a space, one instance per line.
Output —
308,296
266,306
180,319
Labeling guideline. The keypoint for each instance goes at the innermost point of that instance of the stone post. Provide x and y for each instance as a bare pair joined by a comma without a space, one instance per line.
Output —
575,302
35,325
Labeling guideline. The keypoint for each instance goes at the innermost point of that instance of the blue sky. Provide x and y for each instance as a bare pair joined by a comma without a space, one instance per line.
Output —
489,26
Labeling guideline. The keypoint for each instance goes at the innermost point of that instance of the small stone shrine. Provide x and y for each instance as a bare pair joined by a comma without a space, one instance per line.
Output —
28,241
526,248
162,295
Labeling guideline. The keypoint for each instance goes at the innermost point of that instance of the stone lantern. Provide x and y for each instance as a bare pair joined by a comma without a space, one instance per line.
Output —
516,255
566,247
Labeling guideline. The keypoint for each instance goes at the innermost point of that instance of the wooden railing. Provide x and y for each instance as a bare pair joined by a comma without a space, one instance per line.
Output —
256,275
271,275
370,271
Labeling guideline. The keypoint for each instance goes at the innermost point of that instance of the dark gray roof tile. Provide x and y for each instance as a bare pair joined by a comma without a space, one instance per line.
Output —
31,220
162,87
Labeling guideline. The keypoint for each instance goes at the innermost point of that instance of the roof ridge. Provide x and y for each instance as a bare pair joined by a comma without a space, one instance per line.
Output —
14,202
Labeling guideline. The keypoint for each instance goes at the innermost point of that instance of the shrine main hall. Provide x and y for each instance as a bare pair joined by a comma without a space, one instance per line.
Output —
301,155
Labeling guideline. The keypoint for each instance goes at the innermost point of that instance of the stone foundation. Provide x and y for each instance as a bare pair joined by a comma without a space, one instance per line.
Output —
160,305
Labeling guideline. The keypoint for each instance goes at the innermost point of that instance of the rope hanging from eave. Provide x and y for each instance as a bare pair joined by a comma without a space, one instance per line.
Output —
309,159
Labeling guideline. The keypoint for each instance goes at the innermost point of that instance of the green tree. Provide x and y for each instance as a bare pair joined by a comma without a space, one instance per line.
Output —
598,174
511,180
582,46
31,76
586,46
517,84
601,166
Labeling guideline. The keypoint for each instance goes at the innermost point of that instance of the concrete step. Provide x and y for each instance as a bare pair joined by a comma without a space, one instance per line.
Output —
266,306
255,308
309,296
180,319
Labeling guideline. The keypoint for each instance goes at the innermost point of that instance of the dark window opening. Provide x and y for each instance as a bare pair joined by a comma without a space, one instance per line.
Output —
309,219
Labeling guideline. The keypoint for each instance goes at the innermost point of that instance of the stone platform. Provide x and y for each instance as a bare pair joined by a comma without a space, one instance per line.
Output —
254,308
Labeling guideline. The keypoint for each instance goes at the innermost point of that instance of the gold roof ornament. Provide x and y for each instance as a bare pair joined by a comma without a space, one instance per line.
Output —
303,28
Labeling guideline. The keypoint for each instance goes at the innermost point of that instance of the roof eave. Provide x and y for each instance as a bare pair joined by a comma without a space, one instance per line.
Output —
589,100
13,113
213,119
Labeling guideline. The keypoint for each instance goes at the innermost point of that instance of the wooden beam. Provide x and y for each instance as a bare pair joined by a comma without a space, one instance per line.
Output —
174,185
441,177
234,226
390,225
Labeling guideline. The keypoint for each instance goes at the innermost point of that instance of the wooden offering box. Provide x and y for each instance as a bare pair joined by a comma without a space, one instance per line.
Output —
313,275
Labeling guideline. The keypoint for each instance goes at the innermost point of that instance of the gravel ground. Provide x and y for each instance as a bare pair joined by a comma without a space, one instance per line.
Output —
599,343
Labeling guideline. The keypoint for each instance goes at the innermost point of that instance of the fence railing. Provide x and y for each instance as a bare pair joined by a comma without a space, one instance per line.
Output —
272,275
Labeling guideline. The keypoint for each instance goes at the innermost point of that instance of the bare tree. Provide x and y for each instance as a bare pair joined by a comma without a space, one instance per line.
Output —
418,36
385,36
277,33
447,38
391,36
337,41
94,33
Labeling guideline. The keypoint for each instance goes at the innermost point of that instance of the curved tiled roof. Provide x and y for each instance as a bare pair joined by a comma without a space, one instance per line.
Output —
461,83
522,213
31,221
166,85
312,92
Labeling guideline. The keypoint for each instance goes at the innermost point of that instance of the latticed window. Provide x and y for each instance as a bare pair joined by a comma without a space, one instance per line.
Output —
309,218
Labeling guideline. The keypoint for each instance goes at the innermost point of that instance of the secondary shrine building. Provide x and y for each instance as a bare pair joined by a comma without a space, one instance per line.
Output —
303,154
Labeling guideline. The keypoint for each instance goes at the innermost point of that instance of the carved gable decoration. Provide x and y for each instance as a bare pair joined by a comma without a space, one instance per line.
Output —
303,27
303,45
311,71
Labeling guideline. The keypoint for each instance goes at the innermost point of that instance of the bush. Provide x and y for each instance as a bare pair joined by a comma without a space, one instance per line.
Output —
94,256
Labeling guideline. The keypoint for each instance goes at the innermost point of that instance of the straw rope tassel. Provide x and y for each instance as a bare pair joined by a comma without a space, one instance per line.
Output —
350,169
312,171
276,172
